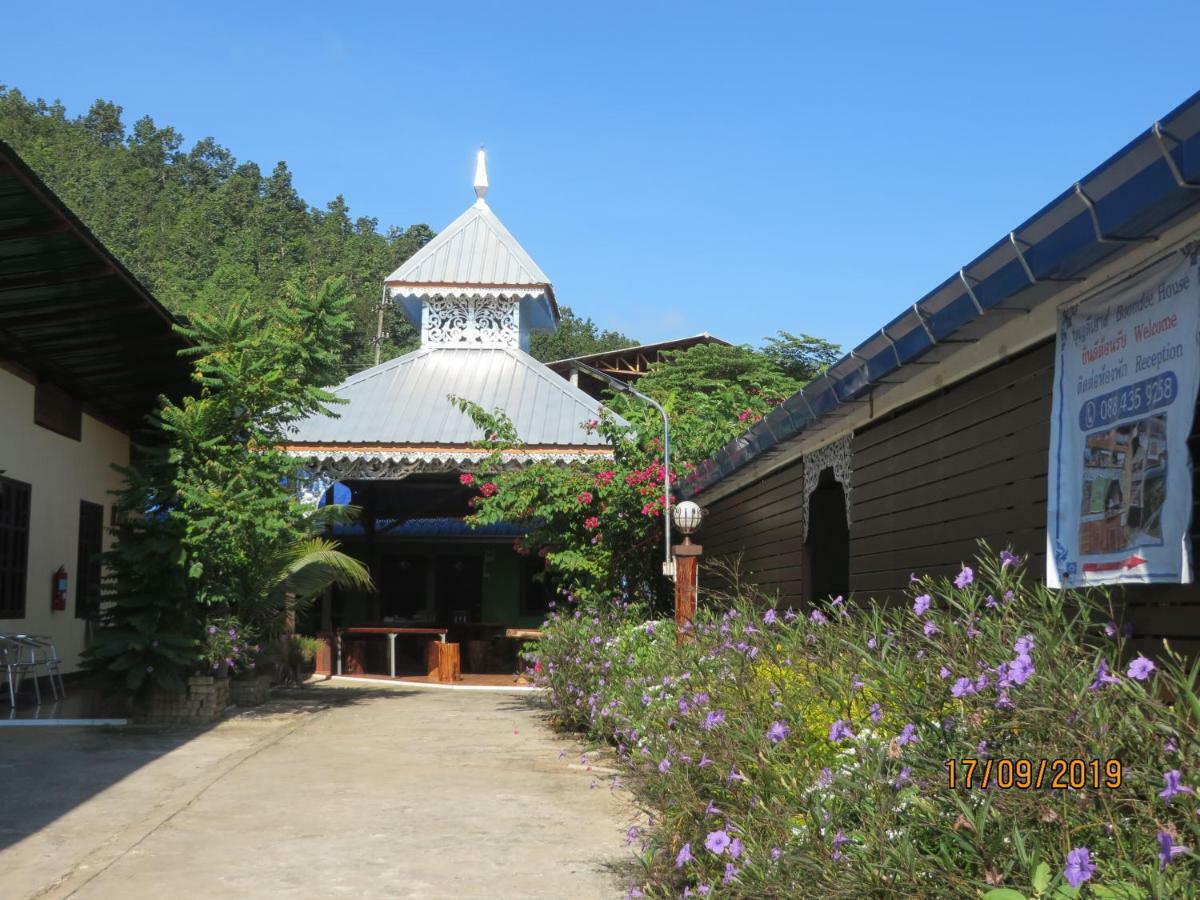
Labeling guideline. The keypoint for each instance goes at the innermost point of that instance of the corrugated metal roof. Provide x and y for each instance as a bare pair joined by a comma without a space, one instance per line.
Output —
405,401
71,314
474,249
1145,187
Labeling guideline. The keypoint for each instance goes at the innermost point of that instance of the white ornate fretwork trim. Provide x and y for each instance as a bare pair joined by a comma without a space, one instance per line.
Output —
457,321
836,456
374,464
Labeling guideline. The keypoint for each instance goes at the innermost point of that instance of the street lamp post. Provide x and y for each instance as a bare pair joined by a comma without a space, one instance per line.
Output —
687,516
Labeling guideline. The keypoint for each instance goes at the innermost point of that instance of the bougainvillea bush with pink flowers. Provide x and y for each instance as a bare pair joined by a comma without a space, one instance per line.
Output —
599,525
787,754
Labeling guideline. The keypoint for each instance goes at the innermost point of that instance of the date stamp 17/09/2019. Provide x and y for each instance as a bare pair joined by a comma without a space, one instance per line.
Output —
1034,774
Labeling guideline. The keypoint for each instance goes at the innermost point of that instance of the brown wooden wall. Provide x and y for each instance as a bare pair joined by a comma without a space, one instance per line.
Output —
969,462
928,480
762,522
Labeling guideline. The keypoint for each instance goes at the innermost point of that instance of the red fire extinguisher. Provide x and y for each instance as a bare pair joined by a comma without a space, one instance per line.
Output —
58,590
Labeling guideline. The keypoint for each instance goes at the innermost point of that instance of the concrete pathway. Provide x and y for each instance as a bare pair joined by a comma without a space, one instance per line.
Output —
356,792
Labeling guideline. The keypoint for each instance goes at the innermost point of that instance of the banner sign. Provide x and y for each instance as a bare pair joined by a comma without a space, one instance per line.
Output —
1120,479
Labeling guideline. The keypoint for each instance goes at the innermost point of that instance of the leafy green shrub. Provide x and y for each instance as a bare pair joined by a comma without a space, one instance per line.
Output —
302,649
781,754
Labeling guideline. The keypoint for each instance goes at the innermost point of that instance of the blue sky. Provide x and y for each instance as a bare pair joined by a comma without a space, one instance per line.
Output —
675,168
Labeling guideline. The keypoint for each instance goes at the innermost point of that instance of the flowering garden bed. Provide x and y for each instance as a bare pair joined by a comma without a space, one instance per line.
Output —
779,754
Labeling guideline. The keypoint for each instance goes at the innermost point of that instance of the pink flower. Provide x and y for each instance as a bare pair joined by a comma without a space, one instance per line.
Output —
591,523
585,497
466,478
606,476
488,489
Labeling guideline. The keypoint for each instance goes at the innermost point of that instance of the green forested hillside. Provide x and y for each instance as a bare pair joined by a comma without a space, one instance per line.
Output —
201,228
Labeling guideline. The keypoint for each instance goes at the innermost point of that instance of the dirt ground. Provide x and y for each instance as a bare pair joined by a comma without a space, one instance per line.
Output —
332,791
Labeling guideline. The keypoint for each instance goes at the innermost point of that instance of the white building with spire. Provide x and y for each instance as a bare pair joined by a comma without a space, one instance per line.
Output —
400,447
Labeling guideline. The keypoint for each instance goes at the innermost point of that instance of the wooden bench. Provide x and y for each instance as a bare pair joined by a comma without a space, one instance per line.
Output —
391,633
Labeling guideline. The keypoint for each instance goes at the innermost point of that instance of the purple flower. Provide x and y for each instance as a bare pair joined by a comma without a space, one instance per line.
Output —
913,578
212,629
777,732
826,778
149,668
1140,668
907,735
776,853
981,748
990,602
1167,849
840,838
713,719
704,760
1103,677
735,848
1173,787
632,834
1008,559
930,629
1079,867
1020,669
711,810
817,617
921,604
664,765
734,775
871,643
1111,629
876,713
1023,645
943,673
789,614
839,731
769,617
717,842
684,857
903,778
650,628
730,874
965,577
962,687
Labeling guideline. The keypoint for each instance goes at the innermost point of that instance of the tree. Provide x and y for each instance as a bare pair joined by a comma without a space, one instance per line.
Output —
212,530
200,228
803,357
575,336
599,525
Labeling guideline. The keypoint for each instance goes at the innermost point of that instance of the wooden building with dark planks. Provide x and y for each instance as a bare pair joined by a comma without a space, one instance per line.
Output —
935,432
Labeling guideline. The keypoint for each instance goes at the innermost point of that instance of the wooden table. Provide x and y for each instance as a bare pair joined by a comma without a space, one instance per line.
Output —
391,635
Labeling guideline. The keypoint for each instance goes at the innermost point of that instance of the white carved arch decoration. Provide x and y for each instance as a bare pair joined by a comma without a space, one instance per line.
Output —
484,321
836,456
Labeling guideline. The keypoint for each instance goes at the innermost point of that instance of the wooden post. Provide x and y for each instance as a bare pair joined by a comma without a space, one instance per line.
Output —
687,573
443,661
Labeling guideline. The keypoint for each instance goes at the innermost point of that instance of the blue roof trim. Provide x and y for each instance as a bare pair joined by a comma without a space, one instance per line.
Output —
441,527
1132,194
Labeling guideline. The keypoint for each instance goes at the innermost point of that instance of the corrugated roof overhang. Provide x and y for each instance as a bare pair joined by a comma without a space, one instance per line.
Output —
71,314
1145,188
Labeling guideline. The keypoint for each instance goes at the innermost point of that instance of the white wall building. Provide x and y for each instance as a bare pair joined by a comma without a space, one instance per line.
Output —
85,350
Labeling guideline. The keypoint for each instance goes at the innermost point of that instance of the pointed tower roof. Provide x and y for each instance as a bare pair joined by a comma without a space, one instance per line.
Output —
474,255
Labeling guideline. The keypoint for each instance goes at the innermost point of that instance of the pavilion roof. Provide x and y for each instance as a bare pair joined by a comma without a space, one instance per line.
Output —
405,403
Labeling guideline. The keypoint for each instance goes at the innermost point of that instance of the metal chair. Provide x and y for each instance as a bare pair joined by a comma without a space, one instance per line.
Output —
16,659
27,653
47,655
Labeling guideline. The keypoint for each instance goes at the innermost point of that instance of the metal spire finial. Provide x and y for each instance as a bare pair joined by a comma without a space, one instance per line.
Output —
481,180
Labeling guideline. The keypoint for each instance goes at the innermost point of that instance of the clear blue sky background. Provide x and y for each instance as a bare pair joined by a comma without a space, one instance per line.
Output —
675,168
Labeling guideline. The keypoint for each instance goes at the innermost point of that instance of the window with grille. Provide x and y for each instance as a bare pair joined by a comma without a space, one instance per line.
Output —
87,568
14,546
